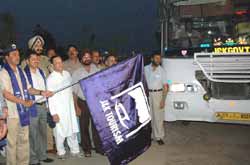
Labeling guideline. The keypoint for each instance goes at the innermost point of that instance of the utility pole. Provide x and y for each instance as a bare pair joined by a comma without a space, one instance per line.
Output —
164,13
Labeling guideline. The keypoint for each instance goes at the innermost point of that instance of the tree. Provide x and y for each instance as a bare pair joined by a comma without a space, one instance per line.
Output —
7,29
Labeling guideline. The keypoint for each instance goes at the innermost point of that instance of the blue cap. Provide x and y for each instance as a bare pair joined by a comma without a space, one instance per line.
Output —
9,48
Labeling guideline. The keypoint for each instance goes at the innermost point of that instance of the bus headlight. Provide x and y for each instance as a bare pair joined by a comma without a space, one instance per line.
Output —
179,105
177,87
191,88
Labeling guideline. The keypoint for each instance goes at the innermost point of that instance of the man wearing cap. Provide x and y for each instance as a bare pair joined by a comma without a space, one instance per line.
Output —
155,77
38,112
17,91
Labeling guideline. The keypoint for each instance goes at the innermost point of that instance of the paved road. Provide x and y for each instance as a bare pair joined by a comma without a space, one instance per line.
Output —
196,144
207,144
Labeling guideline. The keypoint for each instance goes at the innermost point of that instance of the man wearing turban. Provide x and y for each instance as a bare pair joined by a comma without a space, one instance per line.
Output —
36,44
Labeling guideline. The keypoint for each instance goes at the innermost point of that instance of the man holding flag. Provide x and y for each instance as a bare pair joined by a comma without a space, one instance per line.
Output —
36,44
38,112
87,69
119,108
17,90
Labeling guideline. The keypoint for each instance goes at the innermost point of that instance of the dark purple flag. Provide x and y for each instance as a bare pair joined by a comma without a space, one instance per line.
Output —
119,107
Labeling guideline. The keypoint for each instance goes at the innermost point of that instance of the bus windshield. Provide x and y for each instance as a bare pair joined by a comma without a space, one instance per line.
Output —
223,33
194,23
210,31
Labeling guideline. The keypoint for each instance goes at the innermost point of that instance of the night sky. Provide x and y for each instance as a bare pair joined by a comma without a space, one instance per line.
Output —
134,20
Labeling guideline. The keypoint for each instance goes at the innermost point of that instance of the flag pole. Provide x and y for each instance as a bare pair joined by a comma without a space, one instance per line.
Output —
63,88
59,90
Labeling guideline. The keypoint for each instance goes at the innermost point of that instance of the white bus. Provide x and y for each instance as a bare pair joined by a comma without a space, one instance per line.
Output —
206,48
208,86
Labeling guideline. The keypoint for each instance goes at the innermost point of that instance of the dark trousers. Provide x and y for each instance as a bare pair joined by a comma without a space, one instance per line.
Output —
85,120
38,135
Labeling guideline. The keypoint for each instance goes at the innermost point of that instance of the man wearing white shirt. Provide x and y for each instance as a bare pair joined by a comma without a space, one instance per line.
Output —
155,77
62,109
38,112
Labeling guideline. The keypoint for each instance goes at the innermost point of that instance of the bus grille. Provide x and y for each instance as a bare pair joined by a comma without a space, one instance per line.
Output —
224,67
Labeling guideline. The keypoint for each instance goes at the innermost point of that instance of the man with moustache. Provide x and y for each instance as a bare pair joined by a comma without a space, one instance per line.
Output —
86,69
38,112
72,63
36,44
17,91
155,77
97,59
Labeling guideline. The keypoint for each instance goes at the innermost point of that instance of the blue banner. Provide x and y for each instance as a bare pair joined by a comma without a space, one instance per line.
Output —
118,104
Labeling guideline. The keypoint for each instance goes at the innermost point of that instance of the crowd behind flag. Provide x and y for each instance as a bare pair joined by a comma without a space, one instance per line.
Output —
114,94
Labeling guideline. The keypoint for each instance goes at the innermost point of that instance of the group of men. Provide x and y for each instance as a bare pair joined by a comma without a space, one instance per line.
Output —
29,98
41,88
